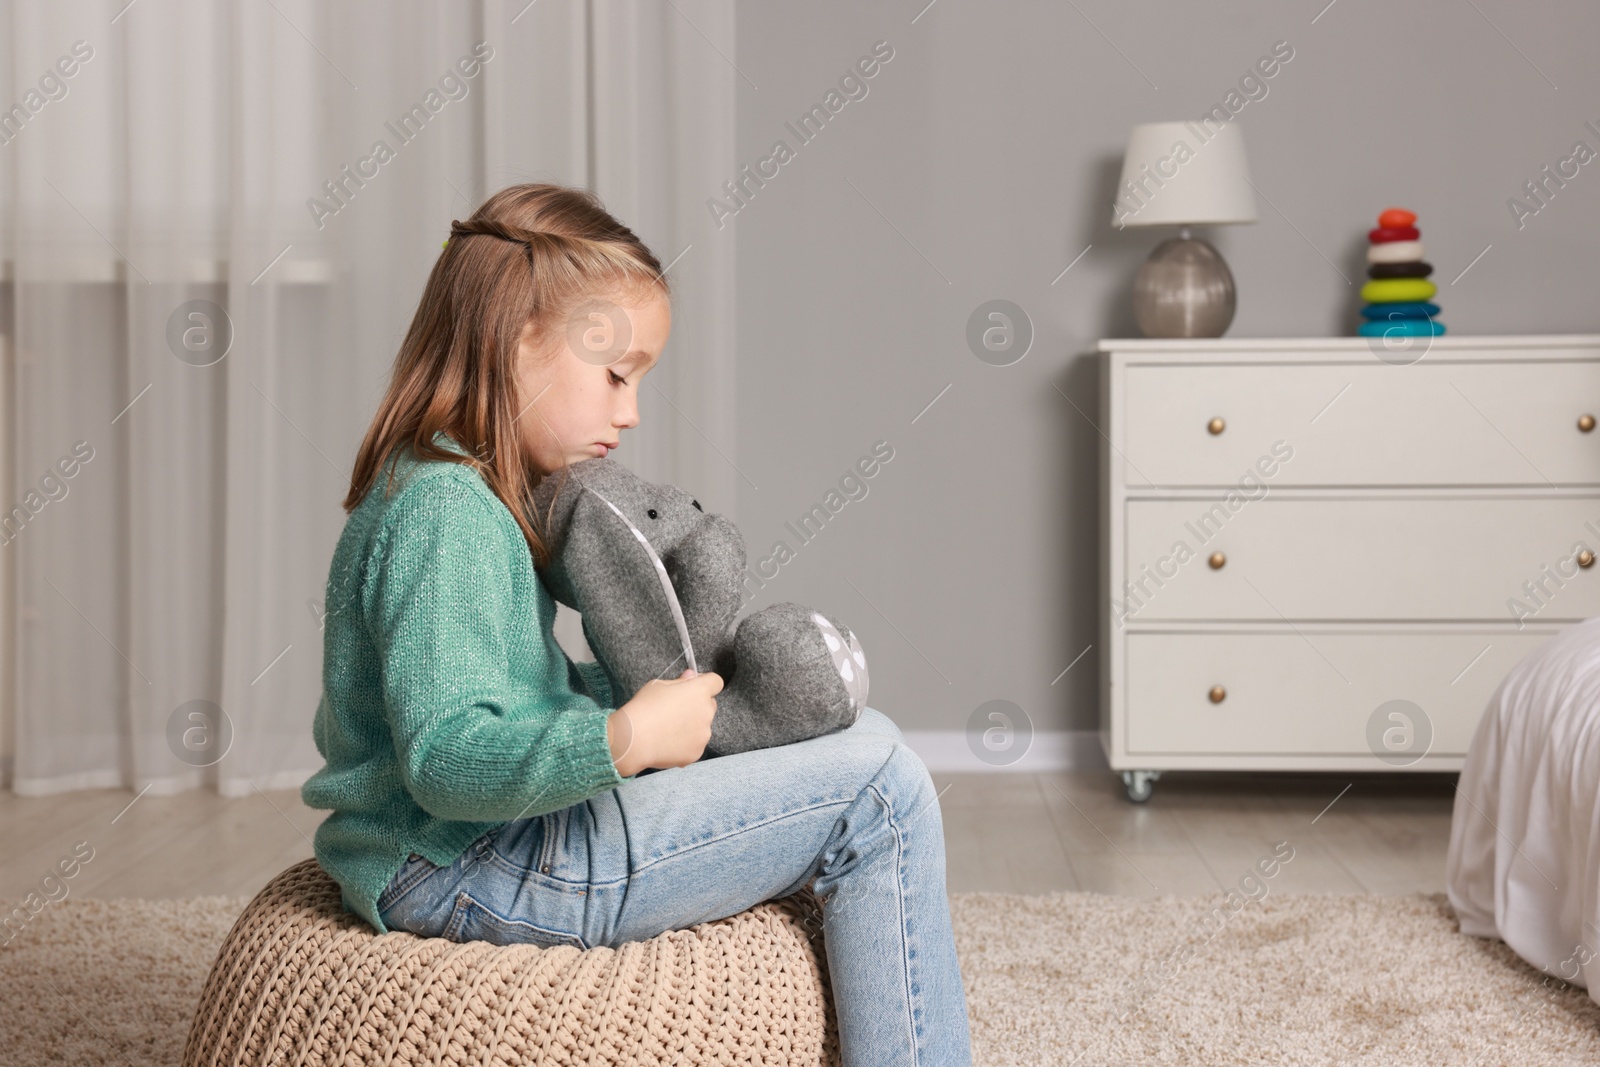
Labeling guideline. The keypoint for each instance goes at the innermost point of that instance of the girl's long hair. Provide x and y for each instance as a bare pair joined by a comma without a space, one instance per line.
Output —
530,253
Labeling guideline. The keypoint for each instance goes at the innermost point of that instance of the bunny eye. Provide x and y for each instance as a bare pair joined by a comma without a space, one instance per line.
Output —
652,513
697,506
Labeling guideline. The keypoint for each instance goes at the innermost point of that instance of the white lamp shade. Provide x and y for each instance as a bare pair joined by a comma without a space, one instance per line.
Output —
1184,173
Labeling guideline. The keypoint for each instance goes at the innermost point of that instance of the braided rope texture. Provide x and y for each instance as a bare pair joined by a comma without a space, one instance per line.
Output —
299,981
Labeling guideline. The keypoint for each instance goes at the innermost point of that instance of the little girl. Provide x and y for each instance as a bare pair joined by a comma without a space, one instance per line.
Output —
483,786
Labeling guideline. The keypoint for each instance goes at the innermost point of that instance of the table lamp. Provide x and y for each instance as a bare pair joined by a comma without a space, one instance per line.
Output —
1184,174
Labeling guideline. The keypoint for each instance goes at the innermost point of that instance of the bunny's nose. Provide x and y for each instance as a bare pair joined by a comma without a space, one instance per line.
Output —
697,506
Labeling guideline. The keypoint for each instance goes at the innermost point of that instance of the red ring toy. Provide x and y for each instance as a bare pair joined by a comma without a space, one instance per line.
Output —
1385,234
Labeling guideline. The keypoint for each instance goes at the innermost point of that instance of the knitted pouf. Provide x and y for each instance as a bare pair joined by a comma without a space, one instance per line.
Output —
301,981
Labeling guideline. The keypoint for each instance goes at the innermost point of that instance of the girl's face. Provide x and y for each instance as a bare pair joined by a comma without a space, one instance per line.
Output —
580,390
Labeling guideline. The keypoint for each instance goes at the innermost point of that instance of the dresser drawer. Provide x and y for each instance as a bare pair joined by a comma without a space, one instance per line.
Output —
1362,423
1288,693
1352,558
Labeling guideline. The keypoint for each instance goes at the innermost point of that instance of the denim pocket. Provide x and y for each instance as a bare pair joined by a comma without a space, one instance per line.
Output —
471,920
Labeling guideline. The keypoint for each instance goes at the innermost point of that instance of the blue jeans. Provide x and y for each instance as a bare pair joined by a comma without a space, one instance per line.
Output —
855,809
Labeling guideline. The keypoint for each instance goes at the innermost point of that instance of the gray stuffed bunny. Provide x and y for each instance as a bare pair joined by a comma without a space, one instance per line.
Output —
657,581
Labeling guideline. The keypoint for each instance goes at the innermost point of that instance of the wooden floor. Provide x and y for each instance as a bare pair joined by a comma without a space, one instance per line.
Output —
1199,833
1004,832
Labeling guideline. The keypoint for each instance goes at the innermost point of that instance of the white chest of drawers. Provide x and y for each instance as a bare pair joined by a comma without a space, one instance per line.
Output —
1315,557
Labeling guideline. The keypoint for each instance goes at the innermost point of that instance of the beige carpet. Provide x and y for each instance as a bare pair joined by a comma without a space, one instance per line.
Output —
1071,978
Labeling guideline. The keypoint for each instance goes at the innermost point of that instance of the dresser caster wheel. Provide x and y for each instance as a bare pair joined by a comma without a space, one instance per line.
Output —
1141,784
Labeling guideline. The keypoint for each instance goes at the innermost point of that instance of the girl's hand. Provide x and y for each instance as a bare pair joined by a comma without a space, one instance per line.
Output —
666,724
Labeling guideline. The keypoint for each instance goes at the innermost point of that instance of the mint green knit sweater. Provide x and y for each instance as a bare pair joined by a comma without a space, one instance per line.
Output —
448,708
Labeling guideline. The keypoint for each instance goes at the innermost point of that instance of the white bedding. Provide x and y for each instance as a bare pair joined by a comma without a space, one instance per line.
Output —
1524,860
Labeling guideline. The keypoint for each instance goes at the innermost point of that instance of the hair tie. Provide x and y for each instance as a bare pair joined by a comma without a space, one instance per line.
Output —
460,229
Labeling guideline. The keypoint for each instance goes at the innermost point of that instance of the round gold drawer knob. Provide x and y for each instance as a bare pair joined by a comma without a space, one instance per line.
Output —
1586,558
1217,425
1217,560
1585,422
1217,694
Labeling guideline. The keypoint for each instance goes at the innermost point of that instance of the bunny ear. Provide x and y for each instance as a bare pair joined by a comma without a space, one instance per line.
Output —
629,608
555,499
663,578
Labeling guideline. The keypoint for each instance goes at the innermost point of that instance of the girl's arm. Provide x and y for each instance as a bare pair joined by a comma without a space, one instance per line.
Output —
439,604
592,676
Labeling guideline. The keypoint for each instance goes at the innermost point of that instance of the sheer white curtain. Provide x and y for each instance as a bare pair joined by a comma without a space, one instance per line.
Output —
171,507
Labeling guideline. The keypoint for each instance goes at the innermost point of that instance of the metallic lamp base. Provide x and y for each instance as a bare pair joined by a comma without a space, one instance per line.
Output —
1183,290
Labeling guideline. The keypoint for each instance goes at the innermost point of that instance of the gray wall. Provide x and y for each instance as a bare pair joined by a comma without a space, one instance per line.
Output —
991,142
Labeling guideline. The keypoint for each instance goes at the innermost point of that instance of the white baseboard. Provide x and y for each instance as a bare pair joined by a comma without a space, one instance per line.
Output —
1050,750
